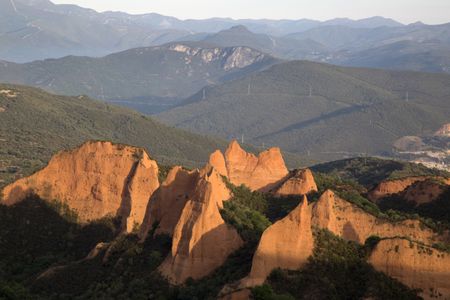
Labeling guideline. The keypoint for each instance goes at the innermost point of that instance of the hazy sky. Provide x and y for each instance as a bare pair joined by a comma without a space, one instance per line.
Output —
406,11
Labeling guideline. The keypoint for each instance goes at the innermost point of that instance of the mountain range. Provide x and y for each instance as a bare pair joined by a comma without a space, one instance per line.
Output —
148,79
36,30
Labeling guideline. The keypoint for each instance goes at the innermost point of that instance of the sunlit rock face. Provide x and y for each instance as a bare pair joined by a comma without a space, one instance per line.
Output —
415,265
286,244
230,58
350,222
261,173
299,182
95,180
201,240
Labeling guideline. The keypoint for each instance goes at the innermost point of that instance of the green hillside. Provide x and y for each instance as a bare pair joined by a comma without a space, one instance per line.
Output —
350,111
35,124
148,79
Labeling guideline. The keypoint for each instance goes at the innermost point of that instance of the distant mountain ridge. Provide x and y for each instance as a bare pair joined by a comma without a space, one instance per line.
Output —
146,79
33,30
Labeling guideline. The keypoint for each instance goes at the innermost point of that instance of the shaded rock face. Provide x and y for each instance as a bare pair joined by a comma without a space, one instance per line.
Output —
260,173
168,201
390,187
300,182
350,222
416,189
201,239
426,191
286,244
415,265
95,180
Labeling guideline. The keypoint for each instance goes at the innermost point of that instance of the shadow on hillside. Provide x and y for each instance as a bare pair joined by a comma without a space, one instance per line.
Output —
306,123
35,234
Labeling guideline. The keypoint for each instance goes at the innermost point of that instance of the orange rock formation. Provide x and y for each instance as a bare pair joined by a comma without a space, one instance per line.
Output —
353,223
286,244
95,180
415,265
390,187
420,189
426,191
168,201
258,173
300,182
201,239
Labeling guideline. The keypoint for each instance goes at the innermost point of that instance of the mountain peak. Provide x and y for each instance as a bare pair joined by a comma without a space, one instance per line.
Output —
238,29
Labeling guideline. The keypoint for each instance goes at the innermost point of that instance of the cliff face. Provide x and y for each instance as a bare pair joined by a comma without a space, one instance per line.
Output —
286,244
168,201
258,173
390,187
95,180
415,265
352,223
300,182
426,191
201,239
419,189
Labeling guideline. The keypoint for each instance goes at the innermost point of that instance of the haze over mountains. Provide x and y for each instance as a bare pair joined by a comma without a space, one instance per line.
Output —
32,30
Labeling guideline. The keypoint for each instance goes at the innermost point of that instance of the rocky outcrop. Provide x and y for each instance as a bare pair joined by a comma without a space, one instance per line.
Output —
201,239
300,182
94,180
426,191
261,173
444,131
350,222
217,160
415,265
390,187
167,202
286,244
420,189
230,57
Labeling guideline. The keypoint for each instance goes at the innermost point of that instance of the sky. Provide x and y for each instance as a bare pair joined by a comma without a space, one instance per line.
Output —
405,11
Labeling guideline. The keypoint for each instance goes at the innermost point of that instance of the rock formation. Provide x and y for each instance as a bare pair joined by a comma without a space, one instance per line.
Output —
260,173
413,188
350,222
286,244
95,180
300,182
168,201
444,131
390,187
426,191
217,160
201,239
415,265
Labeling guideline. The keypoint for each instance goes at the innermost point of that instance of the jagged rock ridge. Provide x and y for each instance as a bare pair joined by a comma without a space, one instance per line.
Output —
201,239
95,180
